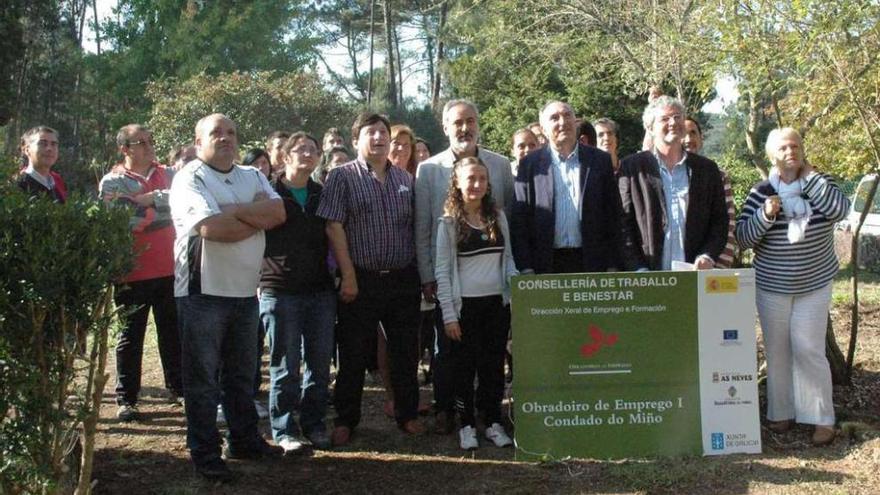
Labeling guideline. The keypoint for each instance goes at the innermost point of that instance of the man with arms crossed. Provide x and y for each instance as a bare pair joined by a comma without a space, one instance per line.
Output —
220,212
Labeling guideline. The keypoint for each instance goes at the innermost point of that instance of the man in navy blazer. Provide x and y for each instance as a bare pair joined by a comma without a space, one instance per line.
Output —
567,209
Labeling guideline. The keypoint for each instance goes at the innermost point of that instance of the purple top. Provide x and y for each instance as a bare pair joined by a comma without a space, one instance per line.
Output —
377,217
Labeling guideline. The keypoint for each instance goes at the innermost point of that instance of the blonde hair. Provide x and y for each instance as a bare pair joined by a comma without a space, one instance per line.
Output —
396,131
776,136
454,206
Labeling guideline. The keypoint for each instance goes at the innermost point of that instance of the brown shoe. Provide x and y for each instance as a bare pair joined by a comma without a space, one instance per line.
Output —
413,427
823,435
780,426
444,423
341,436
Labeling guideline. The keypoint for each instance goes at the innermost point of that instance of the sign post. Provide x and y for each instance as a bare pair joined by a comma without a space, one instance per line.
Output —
619,365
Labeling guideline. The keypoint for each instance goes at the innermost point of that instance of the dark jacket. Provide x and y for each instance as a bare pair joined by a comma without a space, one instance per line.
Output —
644,210
533,220
33,187
295,261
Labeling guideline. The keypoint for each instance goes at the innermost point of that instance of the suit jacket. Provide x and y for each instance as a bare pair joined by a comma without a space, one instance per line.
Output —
431,189
645,216
533,220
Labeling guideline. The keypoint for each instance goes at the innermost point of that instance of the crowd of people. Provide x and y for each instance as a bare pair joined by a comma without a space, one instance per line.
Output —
368,259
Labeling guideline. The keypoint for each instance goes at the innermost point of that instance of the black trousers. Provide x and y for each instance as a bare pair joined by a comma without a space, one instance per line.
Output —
392,299
484,323
136,300
568,260
442,367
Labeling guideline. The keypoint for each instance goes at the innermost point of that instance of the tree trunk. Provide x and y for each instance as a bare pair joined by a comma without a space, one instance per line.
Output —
399,68
372,51
429,53
835,356
391,78
752,134
854,281
435,88
95,391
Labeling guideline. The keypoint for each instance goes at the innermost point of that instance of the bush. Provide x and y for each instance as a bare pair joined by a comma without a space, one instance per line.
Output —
259,103
58,263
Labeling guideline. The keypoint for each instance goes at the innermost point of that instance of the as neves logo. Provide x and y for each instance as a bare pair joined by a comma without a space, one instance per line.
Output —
598,338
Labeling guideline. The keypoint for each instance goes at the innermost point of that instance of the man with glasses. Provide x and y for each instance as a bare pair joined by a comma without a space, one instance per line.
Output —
142,184
673,201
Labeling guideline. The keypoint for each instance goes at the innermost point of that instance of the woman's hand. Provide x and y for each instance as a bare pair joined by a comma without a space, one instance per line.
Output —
771,207
453,331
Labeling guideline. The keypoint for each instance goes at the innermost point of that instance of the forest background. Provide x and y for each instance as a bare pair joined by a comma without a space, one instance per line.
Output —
311,65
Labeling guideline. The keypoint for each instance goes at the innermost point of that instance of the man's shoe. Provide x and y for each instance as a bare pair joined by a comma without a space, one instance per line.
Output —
262,412
413,427
823,435
467,438
291,446
215,471
260,450
498,436
780,426
175,399
341,436
444,423
320,440
128,412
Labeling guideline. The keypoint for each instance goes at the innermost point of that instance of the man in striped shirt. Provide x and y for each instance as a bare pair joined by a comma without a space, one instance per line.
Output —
368,207
693,143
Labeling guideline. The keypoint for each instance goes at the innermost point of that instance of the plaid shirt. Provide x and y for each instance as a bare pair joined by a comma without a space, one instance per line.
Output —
377,217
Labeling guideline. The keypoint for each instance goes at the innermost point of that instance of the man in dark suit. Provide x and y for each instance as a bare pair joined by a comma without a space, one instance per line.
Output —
673,201
567,208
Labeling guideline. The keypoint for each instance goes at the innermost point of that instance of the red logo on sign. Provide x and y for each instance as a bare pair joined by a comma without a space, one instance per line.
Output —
598,338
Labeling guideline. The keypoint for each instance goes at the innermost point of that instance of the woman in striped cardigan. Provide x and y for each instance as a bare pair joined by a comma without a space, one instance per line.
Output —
788,221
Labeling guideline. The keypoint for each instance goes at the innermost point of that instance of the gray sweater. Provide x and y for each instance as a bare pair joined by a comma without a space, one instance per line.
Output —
446,271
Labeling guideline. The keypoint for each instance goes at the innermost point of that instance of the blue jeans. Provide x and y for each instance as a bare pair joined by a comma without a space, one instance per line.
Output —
299,326
219,343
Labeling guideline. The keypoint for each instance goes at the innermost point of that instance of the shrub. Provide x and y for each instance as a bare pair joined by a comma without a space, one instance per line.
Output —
57,263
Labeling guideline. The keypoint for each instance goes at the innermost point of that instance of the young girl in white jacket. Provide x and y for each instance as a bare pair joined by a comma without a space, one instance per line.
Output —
473,268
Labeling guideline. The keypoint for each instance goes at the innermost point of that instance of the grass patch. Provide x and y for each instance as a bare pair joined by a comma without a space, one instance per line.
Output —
869,287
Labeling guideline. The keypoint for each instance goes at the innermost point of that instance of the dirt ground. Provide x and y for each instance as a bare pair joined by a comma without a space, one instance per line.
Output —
150,457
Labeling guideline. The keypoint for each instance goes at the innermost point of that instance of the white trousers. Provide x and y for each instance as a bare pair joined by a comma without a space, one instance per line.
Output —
798,373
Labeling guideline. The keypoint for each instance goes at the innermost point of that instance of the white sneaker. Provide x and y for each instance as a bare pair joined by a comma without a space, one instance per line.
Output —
221,419
262,412
498,436
467,438
291,445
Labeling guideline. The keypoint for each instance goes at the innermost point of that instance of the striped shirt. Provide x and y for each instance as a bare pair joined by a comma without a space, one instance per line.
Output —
377,218
802,267
725,259
566,197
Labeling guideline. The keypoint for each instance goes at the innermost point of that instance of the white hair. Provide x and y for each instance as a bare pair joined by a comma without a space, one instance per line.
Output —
650,113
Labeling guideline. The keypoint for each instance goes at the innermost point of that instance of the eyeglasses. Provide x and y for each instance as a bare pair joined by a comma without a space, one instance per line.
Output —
150,141
676,117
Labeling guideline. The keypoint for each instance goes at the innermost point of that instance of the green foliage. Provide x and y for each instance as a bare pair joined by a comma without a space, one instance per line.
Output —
742,174
259,103
58,263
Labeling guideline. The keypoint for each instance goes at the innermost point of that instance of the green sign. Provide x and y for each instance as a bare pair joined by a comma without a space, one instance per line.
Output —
607,365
